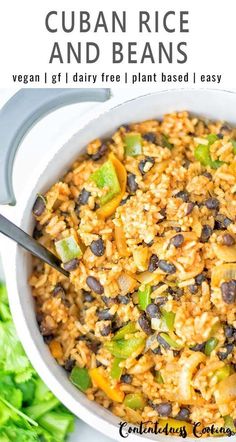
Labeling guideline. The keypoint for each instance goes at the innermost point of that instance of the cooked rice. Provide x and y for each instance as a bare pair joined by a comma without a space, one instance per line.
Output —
150,218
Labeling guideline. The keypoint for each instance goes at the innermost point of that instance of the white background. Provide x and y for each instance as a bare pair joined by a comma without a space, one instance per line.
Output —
25,44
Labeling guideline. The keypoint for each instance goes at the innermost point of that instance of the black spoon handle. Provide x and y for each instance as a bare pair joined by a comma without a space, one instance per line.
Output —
27,242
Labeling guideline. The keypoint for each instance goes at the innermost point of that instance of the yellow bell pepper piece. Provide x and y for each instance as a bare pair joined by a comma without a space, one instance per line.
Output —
109,208
174,423
114,393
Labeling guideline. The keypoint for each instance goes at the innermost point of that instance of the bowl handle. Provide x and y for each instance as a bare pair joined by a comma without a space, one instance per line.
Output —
20,113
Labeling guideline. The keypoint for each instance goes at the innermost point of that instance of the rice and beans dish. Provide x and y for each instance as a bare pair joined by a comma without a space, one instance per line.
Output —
145,223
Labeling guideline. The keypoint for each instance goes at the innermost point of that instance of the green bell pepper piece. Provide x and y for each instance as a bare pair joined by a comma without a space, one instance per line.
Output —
68,249
234,146
127,329
229,423
169,319
80,378
212,138
223,373
133,144
135,401
124,348
144,297
116,370
106,176
166,143
170,341
211,344
158,377
202,153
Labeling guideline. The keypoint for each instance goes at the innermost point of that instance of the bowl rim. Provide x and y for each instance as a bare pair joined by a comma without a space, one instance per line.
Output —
23,330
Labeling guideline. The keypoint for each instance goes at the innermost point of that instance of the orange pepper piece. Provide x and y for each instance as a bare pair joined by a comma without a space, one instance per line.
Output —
114,393
109,208
56,349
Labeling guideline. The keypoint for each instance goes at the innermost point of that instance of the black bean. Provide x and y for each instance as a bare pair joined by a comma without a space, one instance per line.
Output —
153,263
39,317
44,329
225,128
146,164
206,233
131,182
163,213
176,353
153,311
176,293
166,266
106,330
156,350
222,222
161,300
222,355
212,203
48,338
199,347
177,240
163,342
164,409
58,290
105,315
69,365
100,152
95,285
93,345
220,136
207,175
87,296
39,205
228,291
228,240
124,201
144,323
124,299
193,288
183,414
186,163
190,208
71,265
229,331
37,233
150,136
126,378
200,278
83,197
97,247
109,301
183,195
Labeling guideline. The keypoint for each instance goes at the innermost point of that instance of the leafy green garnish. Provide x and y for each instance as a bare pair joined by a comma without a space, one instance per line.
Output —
29,412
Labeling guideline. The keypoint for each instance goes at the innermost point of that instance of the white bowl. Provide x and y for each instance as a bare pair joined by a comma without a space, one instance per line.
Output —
212,104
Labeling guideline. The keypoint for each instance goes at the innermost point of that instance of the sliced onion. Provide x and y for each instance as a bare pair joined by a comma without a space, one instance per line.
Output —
186,374
225,253
226,390
126,283
147,277
140,257
223,272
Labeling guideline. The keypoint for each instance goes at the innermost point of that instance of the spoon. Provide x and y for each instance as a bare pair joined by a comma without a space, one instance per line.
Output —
27,242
